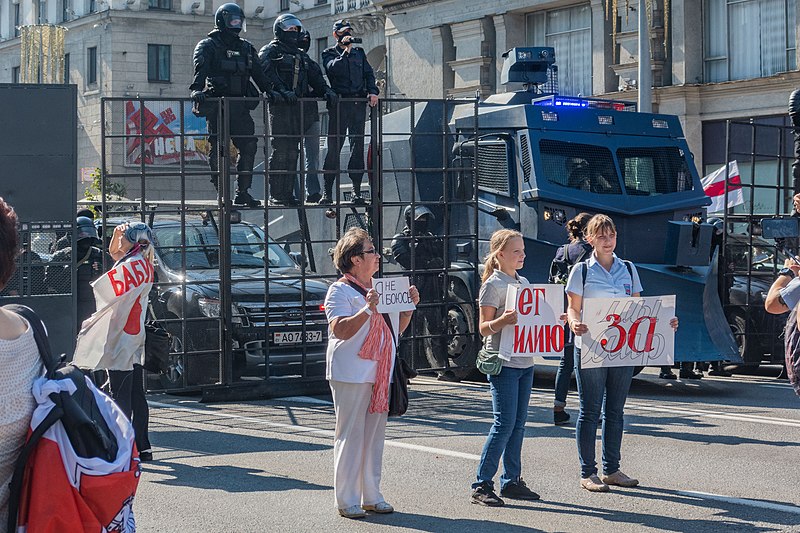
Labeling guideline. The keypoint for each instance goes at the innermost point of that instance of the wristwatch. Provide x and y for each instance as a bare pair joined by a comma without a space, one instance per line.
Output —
786,272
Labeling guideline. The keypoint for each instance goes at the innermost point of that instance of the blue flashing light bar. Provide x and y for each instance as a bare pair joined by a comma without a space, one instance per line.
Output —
591,103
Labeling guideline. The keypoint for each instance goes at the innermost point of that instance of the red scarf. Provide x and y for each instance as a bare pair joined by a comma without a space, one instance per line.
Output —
377,347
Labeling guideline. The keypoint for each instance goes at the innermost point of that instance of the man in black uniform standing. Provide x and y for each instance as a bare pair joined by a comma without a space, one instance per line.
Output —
350,76
223,66
428,250
297,76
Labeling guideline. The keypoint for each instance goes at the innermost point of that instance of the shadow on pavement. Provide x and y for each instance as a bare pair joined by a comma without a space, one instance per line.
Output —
421,522
220,443
228,478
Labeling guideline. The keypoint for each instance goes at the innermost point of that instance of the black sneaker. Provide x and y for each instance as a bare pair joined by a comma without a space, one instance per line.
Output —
518,490
560,418
667,375
146,456
325,200
691,374
484,495
313,198
357,199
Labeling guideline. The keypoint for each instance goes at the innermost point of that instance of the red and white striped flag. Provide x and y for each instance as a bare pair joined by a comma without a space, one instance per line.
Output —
714,187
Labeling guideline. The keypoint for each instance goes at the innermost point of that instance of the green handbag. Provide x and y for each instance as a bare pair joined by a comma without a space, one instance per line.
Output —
488,362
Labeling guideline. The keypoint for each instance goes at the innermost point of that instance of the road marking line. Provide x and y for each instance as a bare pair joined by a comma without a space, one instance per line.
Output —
792,509
326,432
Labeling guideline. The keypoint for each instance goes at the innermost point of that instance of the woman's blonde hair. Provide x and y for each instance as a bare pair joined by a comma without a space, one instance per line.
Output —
600,224
496,244
350,245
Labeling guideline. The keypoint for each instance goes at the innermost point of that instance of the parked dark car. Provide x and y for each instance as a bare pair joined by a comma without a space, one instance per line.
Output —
265,343
758,333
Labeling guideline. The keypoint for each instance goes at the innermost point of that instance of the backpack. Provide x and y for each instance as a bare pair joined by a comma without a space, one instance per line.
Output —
792,349
79,464
560,268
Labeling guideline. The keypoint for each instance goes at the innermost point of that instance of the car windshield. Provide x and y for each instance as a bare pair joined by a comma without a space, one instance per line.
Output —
202,248
764,255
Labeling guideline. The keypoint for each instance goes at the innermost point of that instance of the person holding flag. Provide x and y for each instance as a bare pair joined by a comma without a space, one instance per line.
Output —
113,337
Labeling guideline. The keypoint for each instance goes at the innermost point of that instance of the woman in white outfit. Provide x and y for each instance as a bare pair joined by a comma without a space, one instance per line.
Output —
362,345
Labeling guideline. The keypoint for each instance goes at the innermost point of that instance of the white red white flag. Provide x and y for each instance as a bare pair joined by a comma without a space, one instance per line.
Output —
113,337
714,187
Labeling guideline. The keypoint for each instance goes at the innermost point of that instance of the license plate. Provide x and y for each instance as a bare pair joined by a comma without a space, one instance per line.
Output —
296,337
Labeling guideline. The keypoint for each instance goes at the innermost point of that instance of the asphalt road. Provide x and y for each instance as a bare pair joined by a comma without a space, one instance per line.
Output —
721,454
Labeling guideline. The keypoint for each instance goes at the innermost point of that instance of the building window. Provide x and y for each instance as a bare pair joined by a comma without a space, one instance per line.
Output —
569,31
14,74
320,2
764,48
284,5
66,10
66,68
92,6
322,44
42,11
160,4
158,62
91,65
16,20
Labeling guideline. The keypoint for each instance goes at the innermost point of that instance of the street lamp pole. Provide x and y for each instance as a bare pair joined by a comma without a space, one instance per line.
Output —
645,73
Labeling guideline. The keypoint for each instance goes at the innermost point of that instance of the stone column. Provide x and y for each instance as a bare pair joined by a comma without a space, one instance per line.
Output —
471,65
510,33
686,27
603,77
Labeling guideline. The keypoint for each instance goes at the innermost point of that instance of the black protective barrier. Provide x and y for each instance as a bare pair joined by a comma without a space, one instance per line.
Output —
749,262
38,158
241,289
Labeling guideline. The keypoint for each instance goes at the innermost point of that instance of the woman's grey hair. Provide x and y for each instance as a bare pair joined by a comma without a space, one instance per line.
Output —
350,245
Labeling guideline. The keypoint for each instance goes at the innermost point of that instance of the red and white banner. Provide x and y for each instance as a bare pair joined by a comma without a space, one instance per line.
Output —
63,491
113,337
628,332
714,187
539,329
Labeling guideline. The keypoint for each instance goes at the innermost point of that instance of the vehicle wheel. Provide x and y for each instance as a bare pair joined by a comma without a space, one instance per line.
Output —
173,377
462,347
746,346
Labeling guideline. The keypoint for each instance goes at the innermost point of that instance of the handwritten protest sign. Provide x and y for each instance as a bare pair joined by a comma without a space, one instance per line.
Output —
394,294
539,330
628,332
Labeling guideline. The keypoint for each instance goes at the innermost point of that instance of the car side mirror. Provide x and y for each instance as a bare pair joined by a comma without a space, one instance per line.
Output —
298,258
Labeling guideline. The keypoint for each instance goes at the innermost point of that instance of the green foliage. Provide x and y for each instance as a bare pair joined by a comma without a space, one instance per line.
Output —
113,190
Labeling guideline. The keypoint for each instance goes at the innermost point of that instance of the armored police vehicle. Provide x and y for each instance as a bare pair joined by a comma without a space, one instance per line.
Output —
542,158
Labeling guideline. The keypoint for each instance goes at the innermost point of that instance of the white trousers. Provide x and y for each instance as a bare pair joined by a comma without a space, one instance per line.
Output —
358,446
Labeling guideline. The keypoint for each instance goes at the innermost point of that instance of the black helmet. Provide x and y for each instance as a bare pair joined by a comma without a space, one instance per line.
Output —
719,225
304,43
419,212
85,228
281,26
229,17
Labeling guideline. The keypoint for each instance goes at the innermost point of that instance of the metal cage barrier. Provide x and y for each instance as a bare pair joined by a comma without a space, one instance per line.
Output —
241,289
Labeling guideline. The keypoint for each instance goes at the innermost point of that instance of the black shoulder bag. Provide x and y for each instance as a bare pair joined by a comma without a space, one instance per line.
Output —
398,388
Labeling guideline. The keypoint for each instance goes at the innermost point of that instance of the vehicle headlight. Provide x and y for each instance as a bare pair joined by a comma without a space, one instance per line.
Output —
209,307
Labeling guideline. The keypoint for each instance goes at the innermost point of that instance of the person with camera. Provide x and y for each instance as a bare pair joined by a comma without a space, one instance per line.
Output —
224,65
298,77
783,296
350,76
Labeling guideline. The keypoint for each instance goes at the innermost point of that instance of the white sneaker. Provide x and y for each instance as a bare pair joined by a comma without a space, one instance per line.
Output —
380,507
354,511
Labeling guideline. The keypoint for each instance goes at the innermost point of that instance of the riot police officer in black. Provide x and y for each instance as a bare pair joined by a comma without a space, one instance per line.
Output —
428,252
89,264
350,76
297,76
224,63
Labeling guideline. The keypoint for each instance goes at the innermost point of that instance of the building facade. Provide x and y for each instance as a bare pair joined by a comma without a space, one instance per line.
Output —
711,60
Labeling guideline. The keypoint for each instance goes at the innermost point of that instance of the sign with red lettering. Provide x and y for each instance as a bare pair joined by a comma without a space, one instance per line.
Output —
539,329
628,332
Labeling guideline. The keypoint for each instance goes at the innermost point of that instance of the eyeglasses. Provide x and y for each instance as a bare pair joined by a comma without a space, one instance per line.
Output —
373,251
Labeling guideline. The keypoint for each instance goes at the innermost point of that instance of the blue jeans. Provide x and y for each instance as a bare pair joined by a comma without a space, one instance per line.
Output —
511,393
601,390
564,375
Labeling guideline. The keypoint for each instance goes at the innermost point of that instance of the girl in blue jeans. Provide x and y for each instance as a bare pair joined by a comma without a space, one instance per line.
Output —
511,388
602,391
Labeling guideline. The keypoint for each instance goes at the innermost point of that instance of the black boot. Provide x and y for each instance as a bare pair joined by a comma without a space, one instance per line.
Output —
243,197
327,193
